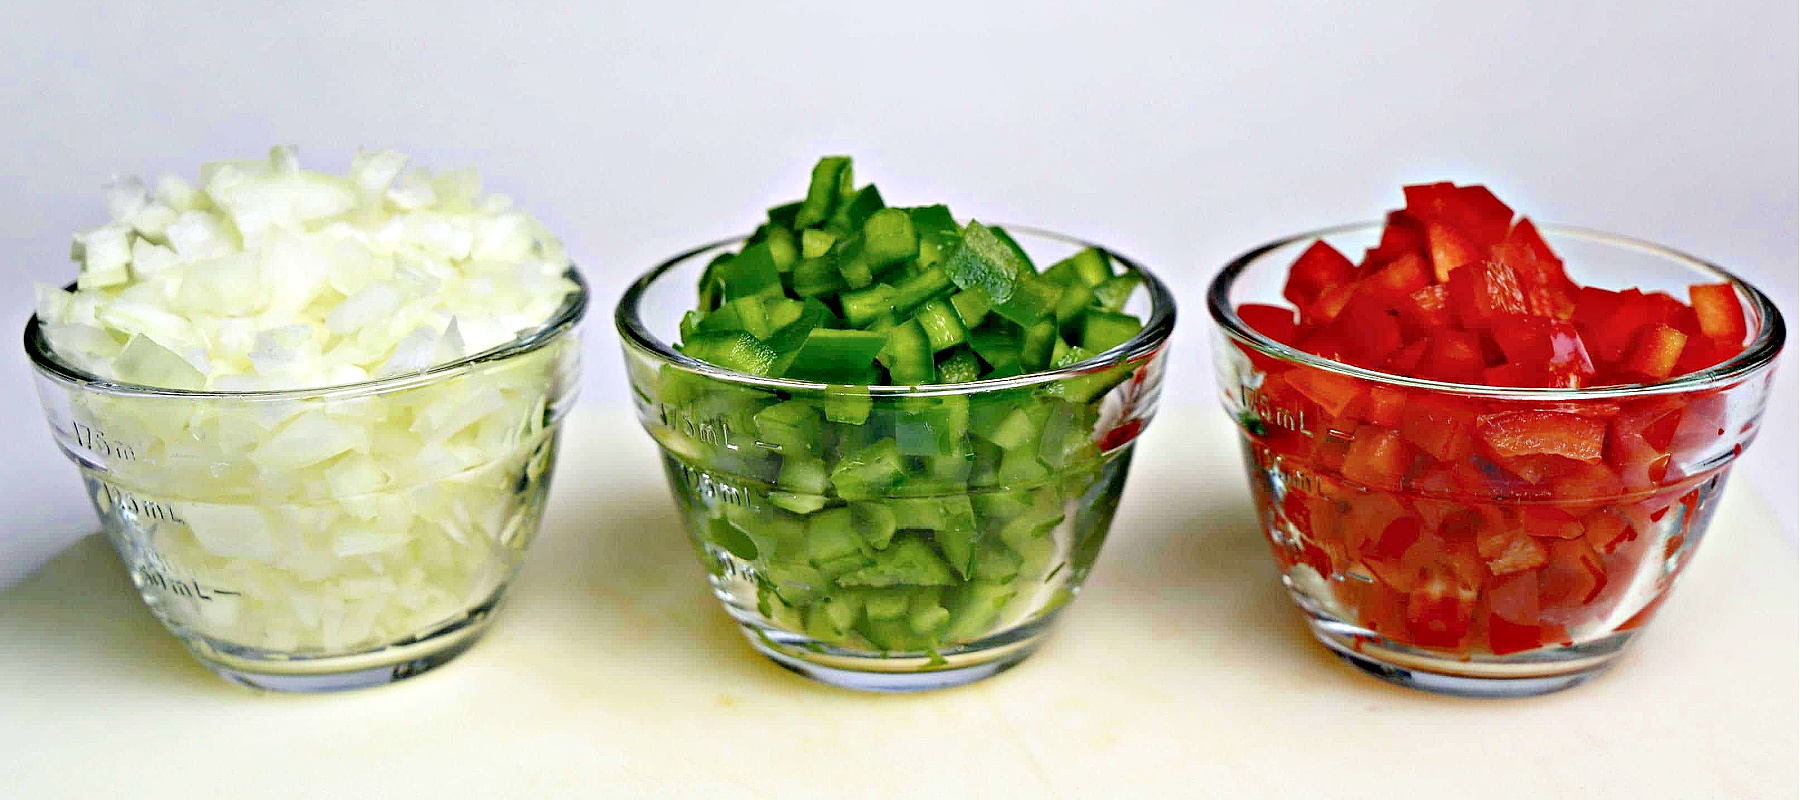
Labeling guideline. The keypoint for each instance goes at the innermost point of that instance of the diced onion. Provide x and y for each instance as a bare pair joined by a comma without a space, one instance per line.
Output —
341,521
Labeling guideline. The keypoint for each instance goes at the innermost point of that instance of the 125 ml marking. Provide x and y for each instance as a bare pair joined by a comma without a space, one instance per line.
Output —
1293,477
140,507
707,489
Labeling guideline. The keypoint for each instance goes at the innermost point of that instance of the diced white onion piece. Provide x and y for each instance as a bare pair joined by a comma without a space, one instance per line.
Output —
412,192
176,193
143,361
151,259
105,253
374,171
307,439
231,284
197,235
231,531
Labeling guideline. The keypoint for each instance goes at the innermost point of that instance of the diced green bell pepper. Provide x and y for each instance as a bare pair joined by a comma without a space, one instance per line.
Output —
828,178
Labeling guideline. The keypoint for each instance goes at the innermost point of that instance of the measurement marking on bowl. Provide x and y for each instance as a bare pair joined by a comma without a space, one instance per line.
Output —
154,571
184,587
715,431
1272,413
141,507
92,438
1292,476
707,489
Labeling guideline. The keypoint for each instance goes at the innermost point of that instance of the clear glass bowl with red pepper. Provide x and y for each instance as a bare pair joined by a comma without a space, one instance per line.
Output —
1481,472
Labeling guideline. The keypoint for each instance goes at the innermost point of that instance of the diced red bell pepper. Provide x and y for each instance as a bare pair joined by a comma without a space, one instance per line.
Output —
1406,360
1377,458
1483,294
1381,609
1398,278
1464,523
1319,268
1449,250
1655,351
1700,353
1274,322
1525,251
1574,576
1513,614
1386,406
1427,310
1395,554
1333,393
1553,346
1472,210
1609,320
1366,515
1455,357
1443,429
1401,236
1720,314
1515,375
1330,303
1508,550
1605,531
1638,441
1585,487
1521,433
1550,522
1435,496
1440,609
1664,308
1371,331
1324,343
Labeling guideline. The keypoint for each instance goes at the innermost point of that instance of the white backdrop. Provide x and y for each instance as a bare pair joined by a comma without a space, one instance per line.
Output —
1178,133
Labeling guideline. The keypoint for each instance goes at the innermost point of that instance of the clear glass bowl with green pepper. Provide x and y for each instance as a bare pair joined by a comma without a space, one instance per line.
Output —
896,445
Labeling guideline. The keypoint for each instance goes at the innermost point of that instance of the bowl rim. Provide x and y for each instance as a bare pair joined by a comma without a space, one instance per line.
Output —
1758,354
566,317
1152,337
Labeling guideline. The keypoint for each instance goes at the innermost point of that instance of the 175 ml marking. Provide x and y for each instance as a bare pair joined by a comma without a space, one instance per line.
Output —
1293,419
94,439
715,431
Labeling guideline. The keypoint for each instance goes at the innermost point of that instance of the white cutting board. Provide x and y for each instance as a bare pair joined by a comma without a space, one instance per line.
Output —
1181,671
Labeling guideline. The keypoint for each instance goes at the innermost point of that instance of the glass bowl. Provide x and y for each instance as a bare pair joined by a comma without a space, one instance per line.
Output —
324,539
1425,556
892,538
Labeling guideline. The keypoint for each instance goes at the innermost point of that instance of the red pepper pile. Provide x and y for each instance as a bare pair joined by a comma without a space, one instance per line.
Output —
1452,522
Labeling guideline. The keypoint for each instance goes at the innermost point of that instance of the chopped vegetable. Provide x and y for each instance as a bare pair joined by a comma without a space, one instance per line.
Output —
922,516
327,524
1453,522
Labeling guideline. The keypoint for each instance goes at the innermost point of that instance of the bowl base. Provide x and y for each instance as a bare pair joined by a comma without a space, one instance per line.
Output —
341,673
897,673
1405,666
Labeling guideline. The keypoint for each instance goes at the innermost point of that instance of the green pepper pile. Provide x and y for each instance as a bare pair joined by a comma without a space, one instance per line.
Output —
902,523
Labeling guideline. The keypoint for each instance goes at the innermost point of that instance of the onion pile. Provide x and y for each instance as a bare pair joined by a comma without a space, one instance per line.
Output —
339,521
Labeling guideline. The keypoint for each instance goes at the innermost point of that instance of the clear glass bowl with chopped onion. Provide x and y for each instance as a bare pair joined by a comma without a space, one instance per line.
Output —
317,415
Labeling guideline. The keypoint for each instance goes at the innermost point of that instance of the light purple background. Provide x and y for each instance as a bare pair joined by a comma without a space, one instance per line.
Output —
1179,133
